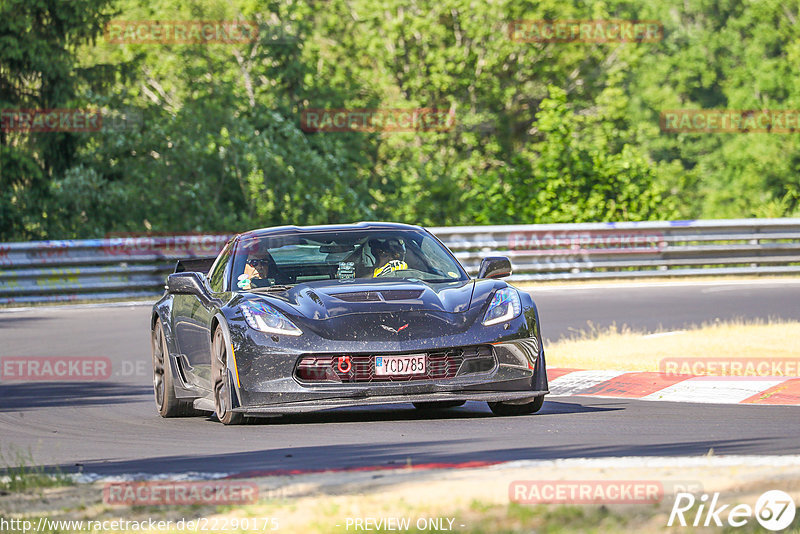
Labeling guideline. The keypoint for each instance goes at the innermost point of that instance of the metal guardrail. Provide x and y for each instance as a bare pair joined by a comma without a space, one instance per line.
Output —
135,266
118,267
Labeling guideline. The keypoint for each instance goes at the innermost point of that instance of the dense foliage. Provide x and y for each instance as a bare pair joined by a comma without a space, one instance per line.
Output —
544,132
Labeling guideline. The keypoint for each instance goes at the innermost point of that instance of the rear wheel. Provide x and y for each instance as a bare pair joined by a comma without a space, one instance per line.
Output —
167,404
438,405
503,408
223,388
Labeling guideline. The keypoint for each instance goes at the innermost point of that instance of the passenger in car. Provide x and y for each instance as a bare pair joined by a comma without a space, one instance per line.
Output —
389,256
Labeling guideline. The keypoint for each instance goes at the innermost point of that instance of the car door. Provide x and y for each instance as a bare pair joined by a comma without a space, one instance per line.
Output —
193,327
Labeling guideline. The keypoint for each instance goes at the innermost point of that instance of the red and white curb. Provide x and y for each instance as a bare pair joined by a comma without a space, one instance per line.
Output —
777,390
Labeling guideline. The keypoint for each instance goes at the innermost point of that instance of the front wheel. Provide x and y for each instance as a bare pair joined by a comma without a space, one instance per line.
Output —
503,408
167,404
223,388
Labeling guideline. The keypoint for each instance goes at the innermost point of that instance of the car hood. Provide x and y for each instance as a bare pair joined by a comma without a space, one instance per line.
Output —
374,310
328,299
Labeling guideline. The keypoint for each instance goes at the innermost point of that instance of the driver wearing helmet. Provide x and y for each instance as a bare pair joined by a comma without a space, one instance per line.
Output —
389,256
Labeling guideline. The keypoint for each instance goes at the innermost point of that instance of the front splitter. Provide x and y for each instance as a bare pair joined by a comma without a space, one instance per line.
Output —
332,404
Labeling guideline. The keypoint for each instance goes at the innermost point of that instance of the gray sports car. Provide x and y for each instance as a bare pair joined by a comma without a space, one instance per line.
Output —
297,319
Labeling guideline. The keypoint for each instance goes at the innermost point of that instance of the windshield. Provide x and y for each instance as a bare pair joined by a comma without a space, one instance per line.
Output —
275,260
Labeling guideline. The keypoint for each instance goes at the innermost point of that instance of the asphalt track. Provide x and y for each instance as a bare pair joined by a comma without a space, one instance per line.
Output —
111,427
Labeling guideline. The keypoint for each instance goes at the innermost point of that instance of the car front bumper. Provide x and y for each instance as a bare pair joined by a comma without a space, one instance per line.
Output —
518,376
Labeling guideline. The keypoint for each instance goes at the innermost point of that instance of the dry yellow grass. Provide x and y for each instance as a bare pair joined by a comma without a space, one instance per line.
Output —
476,500
621,349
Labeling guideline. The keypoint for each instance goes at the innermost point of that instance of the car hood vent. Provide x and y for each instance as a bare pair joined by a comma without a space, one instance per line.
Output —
359,296
377,296
401,294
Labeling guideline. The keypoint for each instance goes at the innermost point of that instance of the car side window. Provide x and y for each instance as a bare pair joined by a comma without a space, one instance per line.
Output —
216,276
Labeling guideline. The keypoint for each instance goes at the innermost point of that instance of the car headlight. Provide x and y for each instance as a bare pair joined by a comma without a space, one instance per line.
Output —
264,318
505,306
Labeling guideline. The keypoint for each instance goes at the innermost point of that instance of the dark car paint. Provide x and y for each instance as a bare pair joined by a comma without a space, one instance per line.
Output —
444,315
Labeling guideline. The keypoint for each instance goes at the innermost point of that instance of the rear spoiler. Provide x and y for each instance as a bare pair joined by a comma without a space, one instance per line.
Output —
197,265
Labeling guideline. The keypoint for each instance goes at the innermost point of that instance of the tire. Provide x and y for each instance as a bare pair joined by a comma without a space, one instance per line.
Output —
438,405
503,409
167,404
222,384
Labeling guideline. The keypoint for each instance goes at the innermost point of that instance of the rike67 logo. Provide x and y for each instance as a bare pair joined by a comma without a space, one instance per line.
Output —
774,510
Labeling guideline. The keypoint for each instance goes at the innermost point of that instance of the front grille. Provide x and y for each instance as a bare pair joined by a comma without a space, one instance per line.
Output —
440,364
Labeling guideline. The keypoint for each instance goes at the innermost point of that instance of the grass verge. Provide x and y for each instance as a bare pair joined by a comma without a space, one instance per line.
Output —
623,349
19,474
468,500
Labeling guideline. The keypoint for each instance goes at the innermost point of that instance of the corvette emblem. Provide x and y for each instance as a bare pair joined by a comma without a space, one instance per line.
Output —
393,330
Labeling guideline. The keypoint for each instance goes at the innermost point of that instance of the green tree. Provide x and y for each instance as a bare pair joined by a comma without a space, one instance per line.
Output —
39,70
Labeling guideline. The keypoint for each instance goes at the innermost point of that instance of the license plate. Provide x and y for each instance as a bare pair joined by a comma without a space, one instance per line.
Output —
406,365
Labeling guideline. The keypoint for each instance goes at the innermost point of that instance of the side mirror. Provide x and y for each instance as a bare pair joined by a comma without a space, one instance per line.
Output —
188,283
495,267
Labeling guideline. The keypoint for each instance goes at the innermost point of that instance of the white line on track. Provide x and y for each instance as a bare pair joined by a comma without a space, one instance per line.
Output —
659,461
605,463
88,306
637,285
88,478
665,334
701,389
578,381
